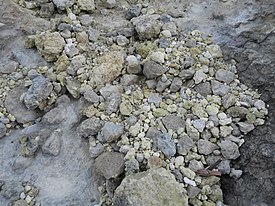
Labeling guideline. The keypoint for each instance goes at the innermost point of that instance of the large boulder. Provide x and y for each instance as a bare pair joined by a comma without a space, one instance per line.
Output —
154,187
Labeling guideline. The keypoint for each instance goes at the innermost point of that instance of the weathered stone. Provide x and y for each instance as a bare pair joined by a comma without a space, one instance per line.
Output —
186,74
203,89
229,100
73,87
224,76
132,166
214,50
199,76
89,94
184,144
237,111
126,108
152,69
3,130
93,34
63,4
230,150
110,132
55,116
259,104
96,150
157,57
245,127
154,187
90,127
9,68
162,85
219,88
166,145
205,147
186,172
129,79
147,26
176,84
133,11
173,122
199,124
133,65
52,145
50,45
110,164
86,5
40,89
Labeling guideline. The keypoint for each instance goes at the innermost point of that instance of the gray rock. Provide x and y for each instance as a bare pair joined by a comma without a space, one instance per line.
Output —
46,10
184,144
259,104
199,124
122,40
63,4
170,26
166,145
133,11
73,87
147,26
219,88
214,50
236,173
186,74
230,150
188,62
224,166
21,163
52,145
86,5
225,76
55,116
96,150
90,127
229,100
153,133
110,164
129,79
237,111
245,127
151,84
154,98
110,132
9,68
93,34
195,165
152,69
173,122
176,84
199,76
132,166
205,147
161,85
3,130
193,191
112,103
133,65
203,89
154,187
39,91
89,94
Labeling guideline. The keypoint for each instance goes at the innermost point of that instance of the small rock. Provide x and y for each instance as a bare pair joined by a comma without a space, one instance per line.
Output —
193,191
3,130
229,100
157,57
214,50
179,161
126,108
52,145
55,116
133,11
9,68
230,150
176,84
132,166
236,173
224,76
161,85
259,104
73,87
199,124
110,132
188,173
93,34
187,74
63,4
110,164
96,150
219,88
152,69
184,144
237,111
205,147
245,127
199,76
173,122
203,89
166,145
89,94
90,127
86,5
122,40
189,182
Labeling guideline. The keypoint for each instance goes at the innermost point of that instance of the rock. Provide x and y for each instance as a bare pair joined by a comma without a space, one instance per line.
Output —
259,104
195,165
93,34
203,89
110,164
214,50
132,166
112,103
38,92
86,5
173,122
187,173
129,79
50,45
179,160
205,147
216,194
110,132
108,69
237,111
184,144
161,85
122,40
20,203
230,150
133,65
96,150
73,87
152,69
52,145
186,74
9,68
89,94
55,116
245,127
212,180
154,98
63,4
166,145
133,11
225,76
199,124
219,88
229,100
176,84
126,108
90,127
154,187
199,76
111,185
189,182
147,26
193,191
3,130
170,26
157,57
236,173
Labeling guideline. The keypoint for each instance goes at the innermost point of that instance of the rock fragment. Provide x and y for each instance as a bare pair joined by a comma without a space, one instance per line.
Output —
52,145
166,144
173,122
230,150
90,127
110,132
152,69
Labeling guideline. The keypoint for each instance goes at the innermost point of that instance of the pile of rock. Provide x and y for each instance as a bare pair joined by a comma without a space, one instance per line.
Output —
154,98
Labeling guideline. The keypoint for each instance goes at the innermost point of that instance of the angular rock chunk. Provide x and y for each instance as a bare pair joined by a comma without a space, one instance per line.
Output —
110,164
230,150
90,127
133,11
166,145
110,132
152,69
219,88
86,5
203,89
225,76
173,122
205,147
40,89
63,4
154,187
3,130
184,145
52,145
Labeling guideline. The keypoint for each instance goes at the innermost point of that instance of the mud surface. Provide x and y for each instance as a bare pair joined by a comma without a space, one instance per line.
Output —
246,33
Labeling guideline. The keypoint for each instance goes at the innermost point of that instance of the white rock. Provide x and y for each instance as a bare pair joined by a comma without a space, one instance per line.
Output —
189,182
179,161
